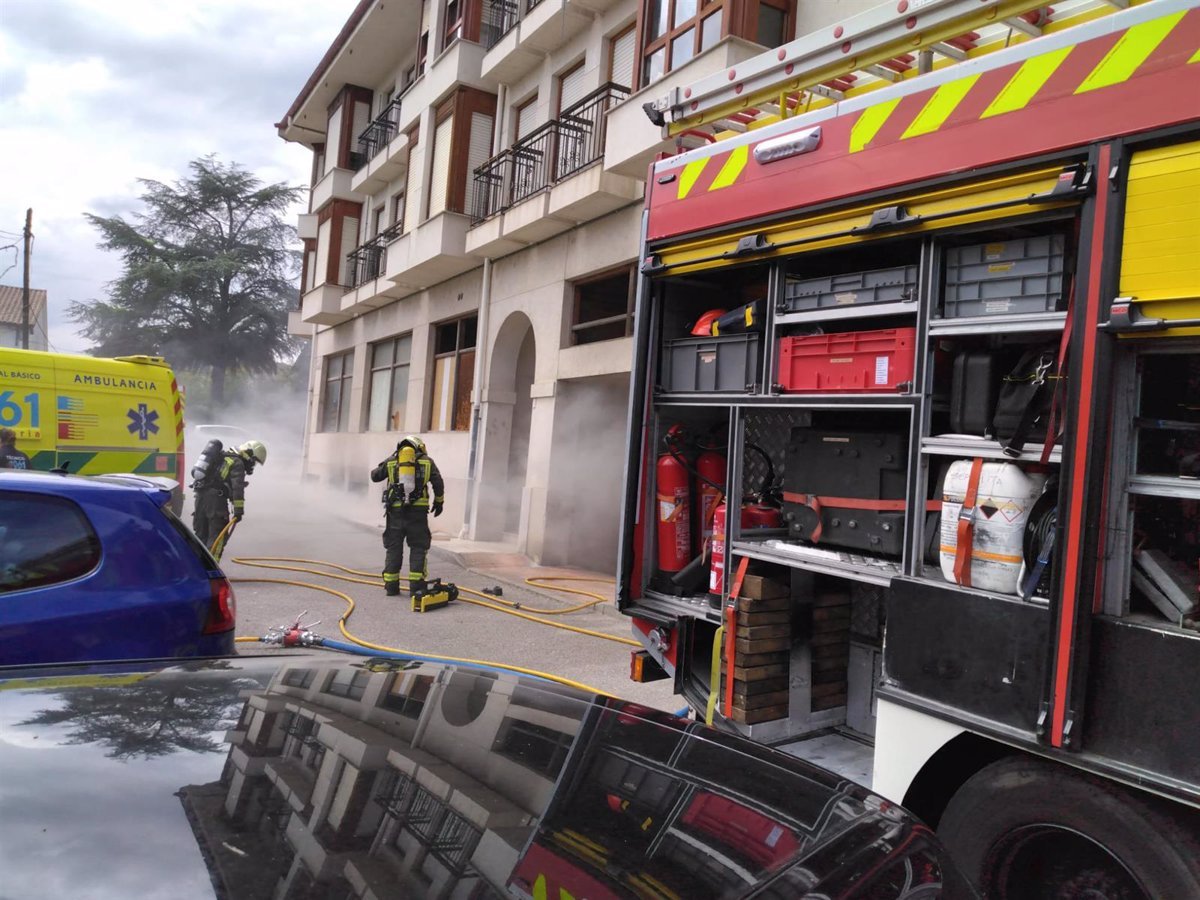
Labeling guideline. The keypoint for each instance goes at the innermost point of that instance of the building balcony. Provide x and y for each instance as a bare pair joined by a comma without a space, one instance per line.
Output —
549,181
430,253
460,63
518,33
633,141
334,185
323,305
383,152
296,326
306,226
369,289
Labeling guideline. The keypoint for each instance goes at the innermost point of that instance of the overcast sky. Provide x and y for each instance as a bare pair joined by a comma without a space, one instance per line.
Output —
95,94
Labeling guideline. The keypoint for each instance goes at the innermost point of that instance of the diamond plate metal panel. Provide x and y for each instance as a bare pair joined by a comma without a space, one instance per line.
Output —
770,429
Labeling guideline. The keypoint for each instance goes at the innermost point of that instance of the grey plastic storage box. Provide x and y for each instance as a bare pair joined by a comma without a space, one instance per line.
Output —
898,284
710,364
1002,277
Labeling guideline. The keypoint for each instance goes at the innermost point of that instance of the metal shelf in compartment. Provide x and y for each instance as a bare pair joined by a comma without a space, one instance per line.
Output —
843,563
965,445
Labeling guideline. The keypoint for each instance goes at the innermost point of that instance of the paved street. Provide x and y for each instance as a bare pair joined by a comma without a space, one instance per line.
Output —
282,520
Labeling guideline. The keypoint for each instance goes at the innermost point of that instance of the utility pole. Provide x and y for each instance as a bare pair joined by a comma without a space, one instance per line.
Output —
25,293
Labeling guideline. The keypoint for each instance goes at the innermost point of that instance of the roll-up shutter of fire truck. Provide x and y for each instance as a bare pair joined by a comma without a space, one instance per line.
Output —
980,201
1160,264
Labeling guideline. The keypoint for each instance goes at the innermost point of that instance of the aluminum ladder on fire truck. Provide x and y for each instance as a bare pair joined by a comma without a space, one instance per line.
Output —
883,45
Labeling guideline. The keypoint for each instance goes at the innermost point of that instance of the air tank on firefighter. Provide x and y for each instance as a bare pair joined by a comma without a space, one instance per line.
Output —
207,460
674,508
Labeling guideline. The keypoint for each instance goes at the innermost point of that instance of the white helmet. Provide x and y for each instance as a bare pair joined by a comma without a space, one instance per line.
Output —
255,449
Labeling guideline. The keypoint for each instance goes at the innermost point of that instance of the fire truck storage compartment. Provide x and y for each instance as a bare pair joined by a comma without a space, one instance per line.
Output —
879,361
897,284
1002,277
714,364
846,486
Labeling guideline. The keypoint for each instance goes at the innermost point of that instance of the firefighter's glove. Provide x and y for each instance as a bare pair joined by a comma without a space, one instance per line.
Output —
437,508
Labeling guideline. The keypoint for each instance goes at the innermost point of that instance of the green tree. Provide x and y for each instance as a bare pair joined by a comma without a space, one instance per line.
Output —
209,268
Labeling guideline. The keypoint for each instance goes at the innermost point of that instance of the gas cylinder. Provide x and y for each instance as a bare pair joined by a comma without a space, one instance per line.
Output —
760,515
674,510
207,461
710,487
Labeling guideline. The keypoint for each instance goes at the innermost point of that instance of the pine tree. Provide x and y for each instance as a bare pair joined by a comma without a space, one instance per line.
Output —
209,269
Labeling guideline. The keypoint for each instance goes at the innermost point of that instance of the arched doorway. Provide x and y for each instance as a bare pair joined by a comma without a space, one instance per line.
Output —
507,415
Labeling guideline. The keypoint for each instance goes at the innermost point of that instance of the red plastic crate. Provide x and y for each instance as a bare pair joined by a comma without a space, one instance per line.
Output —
858,361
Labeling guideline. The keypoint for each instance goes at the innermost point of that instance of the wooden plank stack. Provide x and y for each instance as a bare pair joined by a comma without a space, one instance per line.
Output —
762,652
830,648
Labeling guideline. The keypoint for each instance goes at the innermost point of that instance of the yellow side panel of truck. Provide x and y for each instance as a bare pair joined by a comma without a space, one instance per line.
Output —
94,416
1160,261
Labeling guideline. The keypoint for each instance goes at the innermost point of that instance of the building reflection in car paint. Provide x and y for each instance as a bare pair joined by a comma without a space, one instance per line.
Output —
452,782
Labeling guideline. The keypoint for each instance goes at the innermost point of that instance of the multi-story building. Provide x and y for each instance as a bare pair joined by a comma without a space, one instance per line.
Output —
12,328
471,236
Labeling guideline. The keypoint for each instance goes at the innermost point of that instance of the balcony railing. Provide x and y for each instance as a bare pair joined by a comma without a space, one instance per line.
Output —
369,260
499,17
376,136
553,152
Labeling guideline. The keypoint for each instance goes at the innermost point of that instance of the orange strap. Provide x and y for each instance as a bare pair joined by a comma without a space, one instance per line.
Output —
816,503
966,527
731,632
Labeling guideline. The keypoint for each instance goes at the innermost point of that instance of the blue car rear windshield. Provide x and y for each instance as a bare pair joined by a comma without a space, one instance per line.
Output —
44,540
192,541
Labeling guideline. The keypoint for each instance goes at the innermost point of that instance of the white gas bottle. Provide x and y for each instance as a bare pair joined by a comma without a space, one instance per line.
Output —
1003,500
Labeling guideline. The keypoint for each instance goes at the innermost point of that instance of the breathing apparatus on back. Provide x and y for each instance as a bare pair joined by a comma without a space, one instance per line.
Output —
404,485
207,463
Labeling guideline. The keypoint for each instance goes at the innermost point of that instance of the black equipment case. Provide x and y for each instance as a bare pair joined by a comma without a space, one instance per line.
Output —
973,391
825,466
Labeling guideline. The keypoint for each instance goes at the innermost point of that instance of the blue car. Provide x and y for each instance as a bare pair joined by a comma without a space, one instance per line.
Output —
99,568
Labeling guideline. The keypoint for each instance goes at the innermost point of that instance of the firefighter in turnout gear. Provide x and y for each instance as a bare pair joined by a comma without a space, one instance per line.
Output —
224,482
409,473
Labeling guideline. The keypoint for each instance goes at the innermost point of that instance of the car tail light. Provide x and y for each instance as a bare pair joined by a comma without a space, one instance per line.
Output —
221,607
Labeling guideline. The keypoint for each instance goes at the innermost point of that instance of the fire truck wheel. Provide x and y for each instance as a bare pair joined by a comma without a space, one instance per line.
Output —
1024,828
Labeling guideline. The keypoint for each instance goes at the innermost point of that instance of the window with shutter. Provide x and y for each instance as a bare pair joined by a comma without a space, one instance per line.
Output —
623,54
412,191
349,242
333,139
321,269
478,153
526,118
571,88
439,177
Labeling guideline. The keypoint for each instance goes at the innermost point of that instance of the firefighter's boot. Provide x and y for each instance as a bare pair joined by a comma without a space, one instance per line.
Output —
391,584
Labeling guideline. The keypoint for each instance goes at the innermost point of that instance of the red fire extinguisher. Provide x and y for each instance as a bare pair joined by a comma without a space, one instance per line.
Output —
754,515
710,490
674,509
717,573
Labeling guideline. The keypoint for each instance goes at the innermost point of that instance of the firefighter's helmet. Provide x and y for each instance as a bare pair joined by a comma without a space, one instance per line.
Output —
255,450
704,324
413,441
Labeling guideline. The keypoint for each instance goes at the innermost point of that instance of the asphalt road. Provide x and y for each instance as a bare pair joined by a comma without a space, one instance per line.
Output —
280,523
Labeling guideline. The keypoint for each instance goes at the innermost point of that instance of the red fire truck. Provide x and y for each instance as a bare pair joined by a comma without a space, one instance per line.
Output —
913,486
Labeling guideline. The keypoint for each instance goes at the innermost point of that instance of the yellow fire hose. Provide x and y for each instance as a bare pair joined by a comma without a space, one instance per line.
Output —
295,564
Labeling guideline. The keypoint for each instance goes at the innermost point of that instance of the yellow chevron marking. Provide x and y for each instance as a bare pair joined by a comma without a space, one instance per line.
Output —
869,123
1128,53
691,171
732,168
1195,57
943,102
1028,80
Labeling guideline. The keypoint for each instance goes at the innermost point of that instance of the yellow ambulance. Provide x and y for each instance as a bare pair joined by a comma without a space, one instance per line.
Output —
91,415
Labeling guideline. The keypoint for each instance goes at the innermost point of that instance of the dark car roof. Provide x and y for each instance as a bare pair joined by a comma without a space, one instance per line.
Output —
81,485
226,777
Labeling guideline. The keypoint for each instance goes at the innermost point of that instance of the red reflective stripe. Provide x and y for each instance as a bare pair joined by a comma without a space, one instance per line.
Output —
966,527
1083,425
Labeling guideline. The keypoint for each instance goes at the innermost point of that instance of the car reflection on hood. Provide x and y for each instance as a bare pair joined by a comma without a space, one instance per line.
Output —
310,776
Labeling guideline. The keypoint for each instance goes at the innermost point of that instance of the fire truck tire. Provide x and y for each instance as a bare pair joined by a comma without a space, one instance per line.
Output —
1025,828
